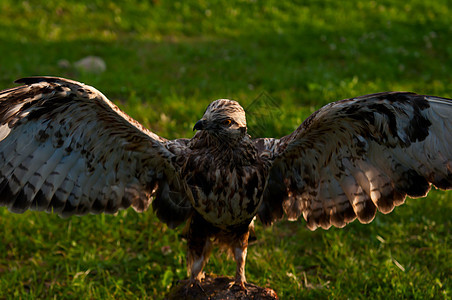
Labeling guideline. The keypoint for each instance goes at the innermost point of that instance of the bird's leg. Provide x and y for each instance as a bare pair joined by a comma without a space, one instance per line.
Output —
199,248
240,250
196,260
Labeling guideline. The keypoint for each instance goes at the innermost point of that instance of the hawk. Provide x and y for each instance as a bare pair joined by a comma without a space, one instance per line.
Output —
65,148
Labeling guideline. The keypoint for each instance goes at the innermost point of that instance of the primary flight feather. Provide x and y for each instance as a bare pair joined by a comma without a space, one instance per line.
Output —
65,148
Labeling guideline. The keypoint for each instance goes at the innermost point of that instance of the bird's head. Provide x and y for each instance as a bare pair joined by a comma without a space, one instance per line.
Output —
224,119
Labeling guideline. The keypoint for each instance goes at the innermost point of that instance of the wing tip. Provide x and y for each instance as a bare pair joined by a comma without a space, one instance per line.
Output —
38,79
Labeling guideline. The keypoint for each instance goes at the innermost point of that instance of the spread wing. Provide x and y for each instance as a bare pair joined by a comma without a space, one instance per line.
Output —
64,147
355,156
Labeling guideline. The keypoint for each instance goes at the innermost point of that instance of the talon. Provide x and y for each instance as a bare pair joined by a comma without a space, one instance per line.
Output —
239,284
192,284
198,284
242,286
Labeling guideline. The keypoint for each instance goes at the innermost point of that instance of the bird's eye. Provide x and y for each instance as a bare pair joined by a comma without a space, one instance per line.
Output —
227,122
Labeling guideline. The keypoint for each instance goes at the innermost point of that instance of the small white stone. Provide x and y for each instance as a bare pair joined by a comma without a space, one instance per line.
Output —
91,64
64,64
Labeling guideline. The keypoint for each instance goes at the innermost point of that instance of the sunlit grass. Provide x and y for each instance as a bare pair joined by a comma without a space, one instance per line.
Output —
166,60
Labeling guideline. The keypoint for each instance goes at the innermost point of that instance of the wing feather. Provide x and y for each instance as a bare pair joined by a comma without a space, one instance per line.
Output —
356,156
65,148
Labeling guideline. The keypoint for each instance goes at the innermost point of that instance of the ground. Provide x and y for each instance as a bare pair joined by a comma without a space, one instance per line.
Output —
165,61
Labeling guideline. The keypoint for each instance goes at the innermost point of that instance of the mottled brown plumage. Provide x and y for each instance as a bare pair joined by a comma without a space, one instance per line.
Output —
67,149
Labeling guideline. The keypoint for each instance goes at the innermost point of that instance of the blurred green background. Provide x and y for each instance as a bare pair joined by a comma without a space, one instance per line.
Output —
165,62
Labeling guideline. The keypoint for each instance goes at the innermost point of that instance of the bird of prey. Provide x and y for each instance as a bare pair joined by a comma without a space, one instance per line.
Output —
65,148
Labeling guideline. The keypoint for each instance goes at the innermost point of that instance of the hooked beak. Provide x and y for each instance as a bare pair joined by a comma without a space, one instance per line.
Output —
200,125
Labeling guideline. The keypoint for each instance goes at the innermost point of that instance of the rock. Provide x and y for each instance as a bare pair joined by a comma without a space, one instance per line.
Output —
218,288
91,64
64,64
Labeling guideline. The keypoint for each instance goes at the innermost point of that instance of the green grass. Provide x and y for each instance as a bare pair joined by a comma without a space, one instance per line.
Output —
166,60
